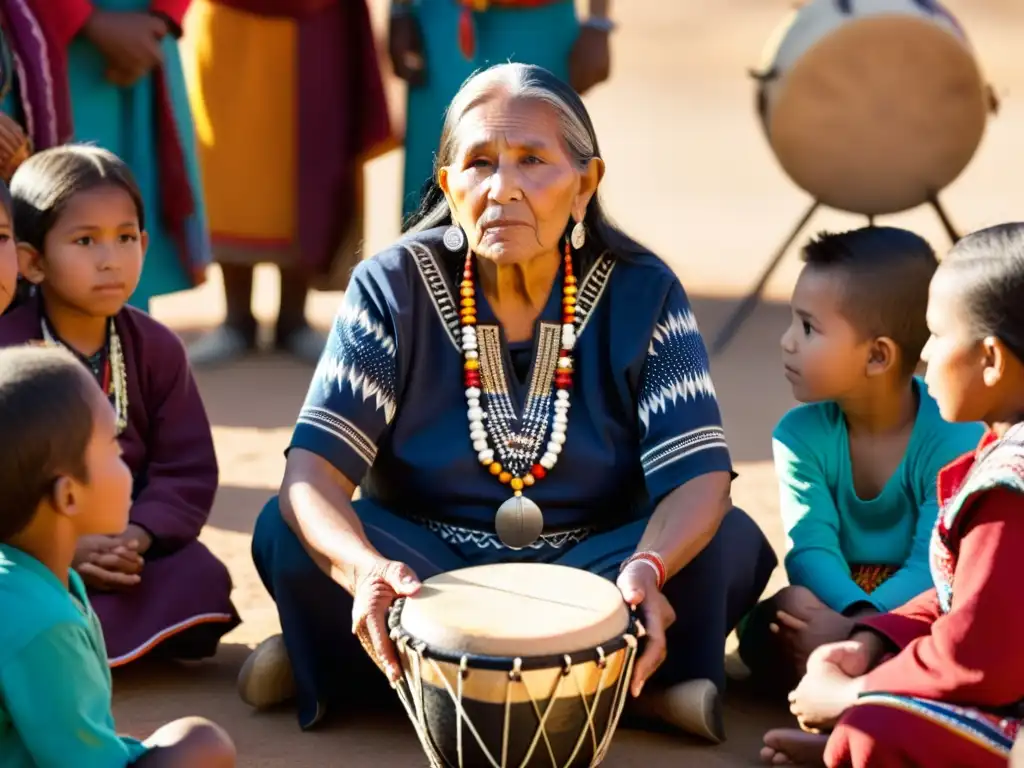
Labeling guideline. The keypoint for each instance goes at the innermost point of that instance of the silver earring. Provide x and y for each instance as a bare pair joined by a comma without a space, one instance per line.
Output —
578,236
454,238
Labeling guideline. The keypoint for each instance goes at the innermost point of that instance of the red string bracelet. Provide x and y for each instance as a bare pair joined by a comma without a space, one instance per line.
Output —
652,560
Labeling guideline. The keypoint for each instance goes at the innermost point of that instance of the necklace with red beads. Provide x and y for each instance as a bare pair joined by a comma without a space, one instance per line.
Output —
518,522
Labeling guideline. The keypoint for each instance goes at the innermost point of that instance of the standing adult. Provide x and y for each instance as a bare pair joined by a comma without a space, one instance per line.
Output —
436,44
289,104
128,95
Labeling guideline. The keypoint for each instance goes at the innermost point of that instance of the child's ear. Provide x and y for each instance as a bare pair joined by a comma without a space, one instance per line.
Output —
144,242
994,358
63,496
882,356
30,264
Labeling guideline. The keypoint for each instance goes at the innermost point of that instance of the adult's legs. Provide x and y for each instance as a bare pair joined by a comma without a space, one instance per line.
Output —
191,742
709,596
316,613
236,336
293,333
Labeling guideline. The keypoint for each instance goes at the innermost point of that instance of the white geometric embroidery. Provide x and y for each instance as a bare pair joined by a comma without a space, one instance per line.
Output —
459,536
676,366
360,355
681,446
341,428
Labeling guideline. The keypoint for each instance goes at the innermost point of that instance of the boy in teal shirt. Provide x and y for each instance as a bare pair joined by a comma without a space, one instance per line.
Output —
62,478
857,463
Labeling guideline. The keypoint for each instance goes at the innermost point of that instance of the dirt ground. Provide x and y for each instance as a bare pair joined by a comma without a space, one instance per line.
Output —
689,174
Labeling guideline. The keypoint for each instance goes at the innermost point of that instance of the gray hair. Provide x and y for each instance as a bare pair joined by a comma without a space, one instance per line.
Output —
527,82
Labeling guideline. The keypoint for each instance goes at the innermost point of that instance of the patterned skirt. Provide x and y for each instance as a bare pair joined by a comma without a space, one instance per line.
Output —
871,577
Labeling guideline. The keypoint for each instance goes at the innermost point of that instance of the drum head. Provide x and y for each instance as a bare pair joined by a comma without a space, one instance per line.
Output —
879,115
515,610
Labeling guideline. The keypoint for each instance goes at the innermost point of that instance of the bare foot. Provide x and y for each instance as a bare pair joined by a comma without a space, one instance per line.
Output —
788,746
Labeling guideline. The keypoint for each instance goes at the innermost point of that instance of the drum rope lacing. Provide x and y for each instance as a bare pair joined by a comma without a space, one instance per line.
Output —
414,680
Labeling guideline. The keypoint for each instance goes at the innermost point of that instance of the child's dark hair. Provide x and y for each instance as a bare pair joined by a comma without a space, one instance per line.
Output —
43,185
989,269
46,420
886,273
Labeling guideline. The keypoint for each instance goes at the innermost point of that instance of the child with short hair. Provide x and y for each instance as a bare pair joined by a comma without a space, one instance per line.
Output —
8,251
857,462
62,477
939,682
81,240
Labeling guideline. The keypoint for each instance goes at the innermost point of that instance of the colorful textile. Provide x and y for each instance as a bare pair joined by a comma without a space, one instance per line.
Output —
149,125
42,100
953,693
300,88
897,732
871,577
542,35
168,446
55,687
829,528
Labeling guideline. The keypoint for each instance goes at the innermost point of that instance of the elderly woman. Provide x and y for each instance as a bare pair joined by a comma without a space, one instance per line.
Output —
576,358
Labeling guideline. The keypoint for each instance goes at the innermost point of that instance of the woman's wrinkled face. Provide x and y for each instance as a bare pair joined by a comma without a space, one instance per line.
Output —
512,185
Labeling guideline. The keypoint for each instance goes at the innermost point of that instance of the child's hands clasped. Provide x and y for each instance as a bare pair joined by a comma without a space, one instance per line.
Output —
112,562
834,680
802,635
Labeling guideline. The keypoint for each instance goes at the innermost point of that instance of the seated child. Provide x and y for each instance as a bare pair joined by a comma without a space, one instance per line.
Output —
62,477
939,681
857,463
81,240
8,251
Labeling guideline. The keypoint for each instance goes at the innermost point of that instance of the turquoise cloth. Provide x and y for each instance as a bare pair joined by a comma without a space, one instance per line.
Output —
55,686
828,527
543,36
123,121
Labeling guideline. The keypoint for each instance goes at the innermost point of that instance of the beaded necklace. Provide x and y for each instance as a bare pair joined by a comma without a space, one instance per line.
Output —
113,376
519,521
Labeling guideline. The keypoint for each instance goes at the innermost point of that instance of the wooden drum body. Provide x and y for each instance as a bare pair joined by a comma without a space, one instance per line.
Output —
515,665
872,106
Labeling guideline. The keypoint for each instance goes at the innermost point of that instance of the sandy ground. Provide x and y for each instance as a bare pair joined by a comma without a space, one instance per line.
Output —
688,173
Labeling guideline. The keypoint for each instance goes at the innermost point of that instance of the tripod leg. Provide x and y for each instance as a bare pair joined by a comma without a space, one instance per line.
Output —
749,303
944,218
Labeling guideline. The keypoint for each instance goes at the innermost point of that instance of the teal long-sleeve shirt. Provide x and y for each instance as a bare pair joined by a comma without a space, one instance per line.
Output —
829,528
55,686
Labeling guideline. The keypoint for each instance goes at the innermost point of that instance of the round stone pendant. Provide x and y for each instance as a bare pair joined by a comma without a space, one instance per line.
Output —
519,522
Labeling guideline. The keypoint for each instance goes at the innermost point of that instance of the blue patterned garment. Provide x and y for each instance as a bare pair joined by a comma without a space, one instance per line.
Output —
387,405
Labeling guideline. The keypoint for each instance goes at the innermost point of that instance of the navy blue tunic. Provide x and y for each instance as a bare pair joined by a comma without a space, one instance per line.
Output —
387,404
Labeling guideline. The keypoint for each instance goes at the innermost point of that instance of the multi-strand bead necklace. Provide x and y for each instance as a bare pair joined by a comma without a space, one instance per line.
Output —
114,377
562,380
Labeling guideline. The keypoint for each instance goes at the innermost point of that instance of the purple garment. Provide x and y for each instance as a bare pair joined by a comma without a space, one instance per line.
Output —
168,445
41,76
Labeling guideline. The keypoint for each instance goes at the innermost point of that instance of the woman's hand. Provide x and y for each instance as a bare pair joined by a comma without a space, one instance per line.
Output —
832,684
130,43
376,589
405,47
590,61
639,586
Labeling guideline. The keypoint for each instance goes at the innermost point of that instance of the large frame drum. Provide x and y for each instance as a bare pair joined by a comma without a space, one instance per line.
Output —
872,106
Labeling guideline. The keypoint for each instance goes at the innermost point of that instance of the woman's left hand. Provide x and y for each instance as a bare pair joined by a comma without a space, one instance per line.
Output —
827,690
639,586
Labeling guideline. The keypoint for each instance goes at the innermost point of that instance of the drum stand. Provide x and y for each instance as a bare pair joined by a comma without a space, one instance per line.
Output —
750,301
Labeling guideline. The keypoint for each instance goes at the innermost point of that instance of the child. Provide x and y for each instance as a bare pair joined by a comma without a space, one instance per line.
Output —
118,65
857,463
951,694
62,477
81,231
8,251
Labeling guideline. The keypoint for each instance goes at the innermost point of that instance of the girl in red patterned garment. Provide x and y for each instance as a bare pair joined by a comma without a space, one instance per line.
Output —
940,681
